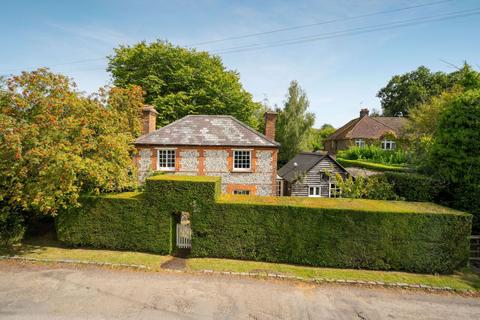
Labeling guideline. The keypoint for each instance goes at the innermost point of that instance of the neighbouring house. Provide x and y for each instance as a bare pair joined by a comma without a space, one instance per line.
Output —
310,174
211,145
381,131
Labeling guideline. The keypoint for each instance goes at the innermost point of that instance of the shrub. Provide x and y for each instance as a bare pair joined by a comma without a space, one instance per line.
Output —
375,154
345,233
12,226
371,165
414,187
374,187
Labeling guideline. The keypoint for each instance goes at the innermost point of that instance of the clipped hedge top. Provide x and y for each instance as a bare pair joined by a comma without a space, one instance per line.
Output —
343,204
185,178
373,165
124,195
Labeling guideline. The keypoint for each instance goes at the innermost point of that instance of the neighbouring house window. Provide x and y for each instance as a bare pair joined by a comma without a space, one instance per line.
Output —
242,160
166,159
314,191
335,191
388,144
241,192
279,188
360,143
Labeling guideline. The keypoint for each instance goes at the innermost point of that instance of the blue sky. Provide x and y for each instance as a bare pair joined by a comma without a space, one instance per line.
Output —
339,74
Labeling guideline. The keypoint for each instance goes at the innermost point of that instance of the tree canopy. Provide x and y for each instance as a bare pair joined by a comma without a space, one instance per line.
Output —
56,144
405,92
294,123
455,150
317,136
180,81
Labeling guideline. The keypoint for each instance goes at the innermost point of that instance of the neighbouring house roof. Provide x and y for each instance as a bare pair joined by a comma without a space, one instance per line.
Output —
302,163
367,127
207,130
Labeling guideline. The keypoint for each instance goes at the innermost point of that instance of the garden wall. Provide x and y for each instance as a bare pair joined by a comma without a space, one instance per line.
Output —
346,233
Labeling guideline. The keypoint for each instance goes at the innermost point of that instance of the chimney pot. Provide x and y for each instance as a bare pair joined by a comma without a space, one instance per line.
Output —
364,112
149,119
270,120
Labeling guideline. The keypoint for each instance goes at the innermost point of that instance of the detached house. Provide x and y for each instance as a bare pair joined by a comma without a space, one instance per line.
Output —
211,145
382,131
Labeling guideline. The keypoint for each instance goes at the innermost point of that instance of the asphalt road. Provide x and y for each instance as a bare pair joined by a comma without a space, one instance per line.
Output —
58,292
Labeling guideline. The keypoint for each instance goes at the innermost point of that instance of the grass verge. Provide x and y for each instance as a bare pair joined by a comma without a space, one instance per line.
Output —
49,249
463,280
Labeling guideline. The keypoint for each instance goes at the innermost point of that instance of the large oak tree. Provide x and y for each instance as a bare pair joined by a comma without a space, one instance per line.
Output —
180,81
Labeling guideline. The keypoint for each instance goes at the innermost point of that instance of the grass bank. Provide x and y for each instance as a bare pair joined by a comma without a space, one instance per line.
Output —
49,249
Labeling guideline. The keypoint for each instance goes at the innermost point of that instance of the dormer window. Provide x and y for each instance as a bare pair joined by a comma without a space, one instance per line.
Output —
388,144
242,160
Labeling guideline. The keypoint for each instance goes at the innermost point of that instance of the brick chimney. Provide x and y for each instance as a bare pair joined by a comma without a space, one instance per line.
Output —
149,119
364,112
270,119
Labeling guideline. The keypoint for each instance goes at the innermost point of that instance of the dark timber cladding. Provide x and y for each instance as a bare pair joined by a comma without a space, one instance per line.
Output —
308,169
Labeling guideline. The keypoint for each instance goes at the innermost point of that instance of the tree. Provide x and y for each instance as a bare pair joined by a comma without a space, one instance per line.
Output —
56,144
294,123
404,92
180,81
317,136
455,151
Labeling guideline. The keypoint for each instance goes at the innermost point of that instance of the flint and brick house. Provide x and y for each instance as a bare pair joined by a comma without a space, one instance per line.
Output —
311,174
211,145
381,131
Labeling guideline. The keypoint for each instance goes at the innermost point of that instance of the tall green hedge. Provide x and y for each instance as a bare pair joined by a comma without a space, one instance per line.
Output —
345,233
414,186
124,222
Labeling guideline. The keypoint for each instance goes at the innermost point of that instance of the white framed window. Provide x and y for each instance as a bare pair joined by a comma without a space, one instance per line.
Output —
242,160
360,143
242,192
388,144
314,191
334,191
279,188
166,159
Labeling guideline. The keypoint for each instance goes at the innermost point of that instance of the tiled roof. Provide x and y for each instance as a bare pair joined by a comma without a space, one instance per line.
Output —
370,128
207,130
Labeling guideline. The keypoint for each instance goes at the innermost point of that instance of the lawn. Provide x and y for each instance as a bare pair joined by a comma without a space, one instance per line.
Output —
50,249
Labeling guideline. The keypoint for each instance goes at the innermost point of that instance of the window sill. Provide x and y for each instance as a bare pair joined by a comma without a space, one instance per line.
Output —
242,171
167,170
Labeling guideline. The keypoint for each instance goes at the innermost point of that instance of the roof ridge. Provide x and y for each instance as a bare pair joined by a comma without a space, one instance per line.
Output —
386,125
350,124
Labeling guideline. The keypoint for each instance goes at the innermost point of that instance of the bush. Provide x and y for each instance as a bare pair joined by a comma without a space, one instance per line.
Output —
375,154
12,226
371,165
374,187
414,187
344,233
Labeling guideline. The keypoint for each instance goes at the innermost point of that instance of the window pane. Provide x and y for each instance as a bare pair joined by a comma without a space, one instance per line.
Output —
241,192
166,159
241,159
